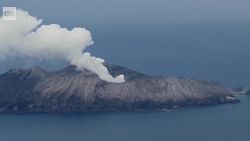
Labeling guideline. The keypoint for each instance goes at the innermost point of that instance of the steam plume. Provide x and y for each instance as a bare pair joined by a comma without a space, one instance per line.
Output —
27,37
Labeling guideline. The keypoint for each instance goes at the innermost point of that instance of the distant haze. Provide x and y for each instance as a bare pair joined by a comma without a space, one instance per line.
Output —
203,39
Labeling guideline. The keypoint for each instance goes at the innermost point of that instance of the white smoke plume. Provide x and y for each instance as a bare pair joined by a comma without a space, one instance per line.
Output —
27,37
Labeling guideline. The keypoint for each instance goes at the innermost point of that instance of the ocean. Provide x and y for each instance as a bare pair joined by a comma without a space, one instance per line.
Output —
229,122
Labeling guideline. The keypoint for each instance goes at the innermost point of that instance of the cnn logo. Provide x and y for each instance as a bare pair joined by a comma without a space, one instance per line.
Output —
9,13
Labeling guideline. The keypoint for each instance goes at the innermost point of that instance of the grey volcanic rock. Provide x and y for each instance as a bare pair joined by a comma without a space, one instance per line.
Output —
70,90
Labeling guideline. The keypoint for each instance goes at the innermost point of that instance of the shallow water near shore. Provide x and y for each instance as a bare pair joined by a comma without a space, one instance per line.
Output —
227,122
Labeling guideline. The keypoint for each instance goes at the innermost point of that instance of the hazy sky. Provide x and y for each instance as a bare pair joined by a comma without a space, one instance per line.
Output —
136,11
204,39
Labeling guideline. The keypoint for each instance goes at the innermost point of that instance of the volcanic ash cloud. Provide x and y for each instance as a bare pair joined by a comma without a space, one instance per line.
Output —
27,37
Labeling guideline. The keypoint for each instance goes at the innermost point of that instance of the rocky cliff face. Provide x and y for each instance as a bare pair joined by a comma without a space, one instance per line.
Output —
69,90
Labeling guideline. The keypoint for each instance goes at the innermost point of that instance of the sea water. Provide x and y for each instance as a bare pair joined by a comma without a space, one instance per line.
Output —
229,122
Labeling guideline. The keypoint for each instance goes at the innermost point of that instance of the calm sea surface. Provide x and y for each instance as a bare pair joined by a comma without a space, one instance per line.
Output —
228,122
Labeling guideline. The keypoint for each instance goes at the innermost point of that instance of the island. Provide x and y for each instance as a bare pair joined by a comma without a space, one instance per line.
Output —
35,90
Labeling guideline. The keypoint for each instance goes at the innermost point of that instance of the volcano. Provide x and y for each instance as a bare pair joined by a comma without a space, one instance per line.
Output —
69,90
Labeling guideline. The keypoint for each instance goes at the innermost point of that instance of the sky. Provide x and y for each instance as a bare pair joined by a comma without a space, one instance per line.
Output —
201,39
